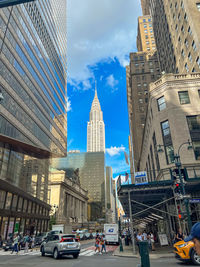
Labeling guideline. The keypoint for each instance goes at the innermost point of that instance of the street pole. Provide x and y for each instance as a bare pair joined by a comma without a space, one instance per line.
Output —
178,165
131,223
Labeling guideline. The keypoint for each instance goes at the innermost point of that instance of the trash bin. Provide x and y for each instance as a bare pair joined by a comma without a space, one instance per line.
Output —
144,253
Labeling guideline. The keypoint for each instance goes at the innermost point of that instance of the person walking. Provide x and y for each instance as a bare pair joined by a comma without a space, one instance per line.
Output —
103,244
15,244
144,235
26,240
97,244
139,238
32,242
152,241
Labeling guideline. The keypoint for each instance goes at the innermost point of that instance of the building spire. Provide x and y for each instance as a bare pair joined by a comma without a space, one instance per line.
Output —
95,88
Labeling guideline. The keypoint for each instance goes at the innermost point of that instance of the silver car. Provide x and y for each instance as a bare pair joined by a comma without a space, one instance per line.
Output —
60,244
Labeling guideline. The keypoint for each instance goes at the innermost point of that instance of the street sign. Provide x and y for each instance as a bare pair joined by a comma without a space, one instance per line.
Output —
6,3
141,178
195,200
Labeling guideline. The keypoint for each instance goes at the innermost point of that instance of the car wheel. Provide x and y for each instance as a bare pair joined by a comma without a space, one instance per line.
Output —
195,258
75,255
56,254
42,251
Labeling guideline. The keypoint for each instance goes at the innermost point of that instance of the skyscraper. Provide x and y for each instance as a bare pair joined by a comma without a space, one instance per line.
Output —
143,69
177,34
33,113
96,128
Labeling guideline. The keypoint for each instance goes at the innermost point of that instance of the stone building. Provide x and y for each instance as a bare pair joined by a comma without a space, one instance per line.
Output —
177,34
69,198
143,69
173,118
91,167
33,86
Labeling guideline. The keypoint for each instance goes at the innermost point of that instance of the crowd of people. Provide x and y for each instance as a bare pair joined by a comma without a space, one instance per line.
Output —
18,241
144,236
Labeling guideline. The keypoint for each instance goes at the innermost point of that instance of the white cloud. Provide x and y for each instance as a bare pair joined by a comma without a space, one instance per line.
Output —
99,31
69,105
112,82
113,150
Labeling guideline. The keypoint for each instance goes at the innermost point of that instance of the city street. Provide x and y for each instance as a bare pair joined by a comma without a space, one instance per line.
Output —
87,258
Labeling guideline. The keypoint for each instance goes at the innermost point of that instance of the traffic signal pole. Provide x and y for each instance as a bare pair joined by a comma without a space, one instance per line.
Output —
178,165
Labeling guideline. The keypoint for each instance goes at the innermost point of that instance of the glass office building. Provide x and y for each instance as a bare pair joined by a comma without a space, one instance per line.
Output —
91,167
33,112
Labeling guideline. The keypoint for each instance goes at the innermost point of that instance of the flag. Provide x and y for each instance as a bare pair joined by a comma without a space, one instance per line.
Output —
126,157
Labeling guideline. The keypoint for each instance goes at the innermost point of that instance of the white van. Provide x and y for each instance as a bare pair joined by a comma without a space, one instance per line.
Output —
111,233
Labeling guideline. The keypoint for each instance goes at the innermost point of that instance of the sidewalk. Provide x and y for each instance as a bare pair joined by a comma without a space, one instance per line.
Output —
161,252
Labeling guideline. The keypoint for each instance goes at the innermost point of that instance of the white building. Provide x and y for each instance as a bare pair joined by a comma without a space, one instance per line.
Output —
96,128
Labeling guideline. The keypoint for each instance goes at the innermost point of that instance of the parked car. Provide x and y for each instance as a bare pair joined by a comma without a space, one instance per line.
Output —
7,245
40,238
60,244
184,251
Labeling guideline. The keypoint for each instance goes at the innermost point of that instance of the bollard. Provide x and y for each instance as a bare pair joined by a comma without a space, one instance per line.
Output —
120,245
144,253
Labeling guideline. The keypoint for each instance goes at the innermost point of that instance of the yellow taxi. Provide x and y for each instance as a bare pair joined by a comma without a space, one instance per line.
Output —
184,251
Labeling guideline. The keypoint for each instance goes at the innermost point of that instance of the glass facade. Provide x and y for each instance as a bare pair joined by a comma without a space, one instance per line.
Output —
91,167
33,113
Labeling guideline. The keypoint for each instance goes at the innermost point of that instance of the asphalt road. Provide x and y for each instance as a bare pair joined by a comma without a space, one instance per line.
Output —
85,260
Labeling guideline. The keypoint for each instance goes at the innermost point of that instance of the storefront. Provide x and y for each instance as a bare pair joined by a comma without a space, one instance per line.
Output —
20,212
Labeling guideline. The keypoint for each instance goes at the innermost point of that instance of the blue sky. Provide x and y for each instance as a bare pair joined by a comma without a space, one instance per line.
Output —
101,34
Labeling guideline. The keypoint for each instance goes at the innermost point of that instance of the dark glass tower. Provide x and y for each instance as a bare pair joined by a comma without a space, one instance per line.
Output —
33,112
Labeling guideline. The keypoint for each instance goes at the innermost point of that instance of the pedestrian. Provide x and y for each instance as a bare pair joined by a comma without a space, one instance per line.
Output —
97,244
144,235
149,241
26,240
195,237
179,236
32,242
152,241
139,238
15,244
1,241
103,244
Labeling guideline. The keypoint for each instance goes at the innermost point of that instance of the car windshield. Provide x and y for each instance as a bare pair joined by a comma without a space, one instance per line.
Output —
66,238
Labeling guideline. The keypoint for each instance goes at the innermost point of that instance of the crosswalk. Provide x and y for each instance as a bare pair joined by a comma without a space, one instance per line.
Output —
86,252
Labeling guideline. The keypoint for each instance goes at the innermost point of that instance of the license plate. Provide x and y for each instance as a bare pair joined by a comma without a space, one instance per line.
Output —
71,246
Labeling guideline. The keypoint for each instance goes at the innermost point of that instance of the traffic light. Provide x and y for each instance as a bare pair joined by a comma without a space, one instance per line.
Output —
175,174
177,187
179,212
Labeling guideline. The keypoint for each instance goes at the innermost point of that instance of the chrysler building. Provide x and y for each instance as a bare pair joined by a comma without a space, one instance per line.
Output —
96,128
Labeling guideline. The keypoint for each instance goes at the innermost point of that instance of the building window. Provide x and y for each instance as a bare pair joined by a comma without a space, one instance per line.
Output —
149,20
185,17
198,6
189,30
165,128
196,147
150,25
145,31
186,42
146,36
145,26
176,28
186,67
183,53
144,20
193,70
193,122
182,29
182,5
161,103
199,92
156,152
194,46
184,97
194,128
169,150
198,61
190,57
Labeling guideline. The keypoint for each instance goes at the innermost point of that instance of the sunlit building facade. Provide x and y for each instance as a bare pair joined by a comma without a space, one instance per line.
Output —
91,167
33,121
